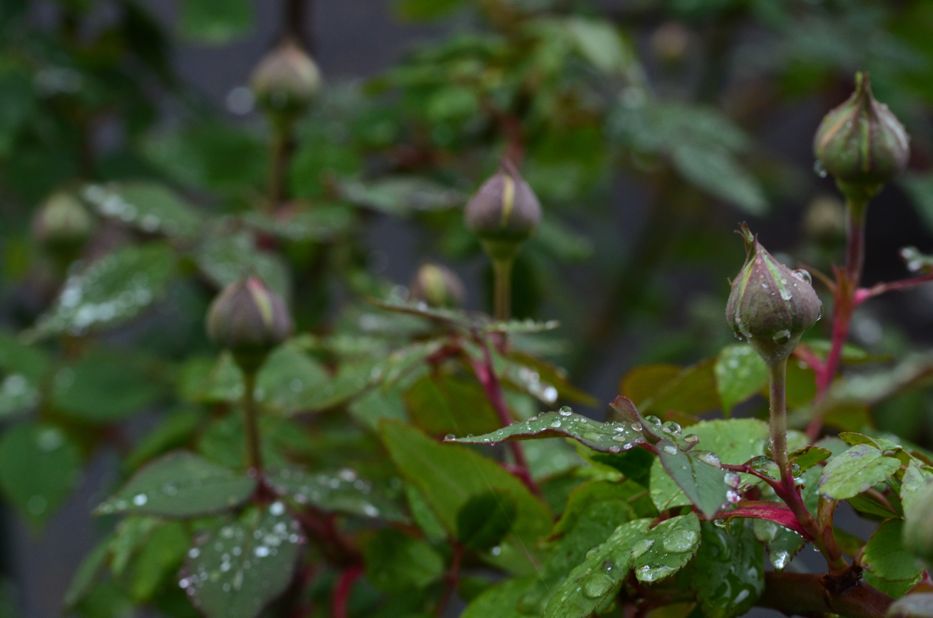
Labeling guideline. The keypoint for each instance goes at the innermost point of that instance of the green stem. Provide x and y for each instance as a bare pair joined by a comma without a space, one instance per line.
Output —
251,423
778,415
502,294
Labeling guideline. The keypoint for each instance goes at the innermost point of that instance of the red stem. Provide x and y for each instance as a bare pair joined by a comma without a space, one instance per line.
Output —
486,375
452,578
863,294
342,590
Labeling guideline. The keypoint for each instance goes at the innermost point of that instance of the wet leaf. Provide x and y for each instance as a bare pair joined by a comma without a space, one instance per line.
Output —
401,194
500,600
441,404
855,470
147,206
916,478
22,369
109,291
659,388
890,567
612,437
39,466
703,484
225,258
728,573
240,567
342,491
740,374
180,485
666,548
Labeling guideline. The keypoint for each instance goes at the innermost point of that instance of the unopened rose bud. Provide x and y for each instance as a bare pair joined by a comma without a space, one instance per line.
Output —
286,80
438,286
248,319
918,525
504,212
62,225
861,143
770,305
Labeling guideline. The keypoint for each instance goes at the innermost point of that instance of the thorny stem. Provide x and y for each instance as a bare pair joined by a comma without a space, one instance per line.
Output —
844,302
788,490
486,375
251,424
502,294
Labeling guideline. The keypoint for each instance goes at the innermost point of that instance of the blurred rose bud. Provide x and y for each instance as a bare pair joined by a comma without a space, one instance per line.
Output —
286,80
669,42
438,286
504,212
62,225
825,220
918,524
248,319
861,143
770,305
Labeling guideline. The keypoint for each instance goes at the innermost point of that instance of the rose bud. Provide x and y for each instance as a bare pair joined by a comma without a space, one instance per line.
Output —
918,524
770,305
248,319
62,225
286,80
503,213
438,286
861,143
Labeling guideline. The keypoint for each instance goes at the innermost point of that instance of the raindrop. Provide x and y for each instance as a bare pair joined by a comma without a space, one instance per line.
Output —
565,411
671,427
277,508
803,275
782,336
641,547
780,559
261,551
819,169
680,540
597,586
449,437
140,499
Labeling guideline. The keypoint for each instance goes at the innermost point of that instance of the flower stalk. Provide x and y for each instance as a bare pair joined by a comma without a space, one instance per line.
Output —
502,289
251,424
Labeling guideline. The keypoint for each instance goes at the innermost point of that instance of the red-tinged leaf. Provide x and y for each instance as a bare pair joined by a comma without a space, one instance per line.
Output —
769,511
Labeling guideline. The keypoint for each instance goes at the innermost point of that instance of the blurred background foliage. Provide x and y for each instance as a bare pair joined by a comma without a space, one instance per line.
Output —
647,129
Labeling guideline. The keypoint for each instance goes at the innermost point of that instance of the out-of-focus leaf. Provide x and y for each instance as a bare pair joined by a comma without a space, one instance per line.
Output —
599,42
419,10
18,104
720,174
240,567
289,380
920,189
915,605
916,261
401,195
485,520
86,574
916,478
612,437
501,600
343,491
445,404
39,467
110,291
147,206
396,562
180,485
740,374
215,21
890,566
448,476
692,390
173,431
158,560
104,386
855,470
22,369
227,258
311,223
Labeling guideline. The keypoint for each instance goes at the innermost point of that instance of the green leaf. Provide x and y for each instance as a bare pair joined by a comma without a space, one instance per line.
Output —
599,42
448,476
180,485
719,173
740,374
728,573
890,567
592,585
611,437
343,491
855,470
39,467
22,369
485,520
289,380
920,189
401,195
320,222
809,456
84,578
147,206
667,548
215,21
226,258
158,560
423,10
501,600
703,484
240,567
441,404
396,561
692,390
111,290
733,441
916,478
104,386
173,431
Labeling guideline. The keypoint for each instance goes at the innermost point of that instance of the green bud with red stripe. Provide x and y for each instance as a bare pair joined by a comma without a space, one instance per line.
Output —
861,142
248,319
504,212
438,286
770,305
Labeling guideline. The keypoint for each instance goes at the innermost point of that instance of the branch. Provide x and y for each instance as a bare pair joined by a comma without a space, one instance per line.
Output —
816,595
863,294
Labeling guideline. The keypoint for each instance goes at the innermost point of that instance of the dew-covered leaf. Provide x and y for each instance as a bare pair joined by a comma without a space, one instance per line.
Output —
109,291
396,561
809,456
728,573
22,369
147,206
740,374
701,482
39,467
226,258
916,478
543,380
158,560
240,567
855,470
180,485
501,600
448,475
592,585
342,491
666,548
289,380
890,567
611,437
